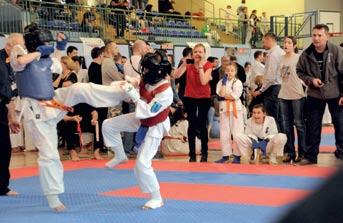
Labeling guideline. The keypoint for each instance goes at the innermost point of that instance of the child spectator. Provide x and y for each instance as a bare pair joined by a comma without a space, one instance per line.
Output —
230,88
262,134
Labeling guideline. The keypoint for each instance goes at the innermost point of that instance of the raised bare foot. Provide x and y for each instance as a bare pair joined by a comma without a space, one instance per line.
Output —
115,161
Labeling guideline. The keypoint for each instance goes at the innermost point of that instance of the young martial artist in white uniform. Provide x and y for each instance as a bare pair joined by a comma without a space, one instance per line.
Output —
34,82
261,133
150,120
229,90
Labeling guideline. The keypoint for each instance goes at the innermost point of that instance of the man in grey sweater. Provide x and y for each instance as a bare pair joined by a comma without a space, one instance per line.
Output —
109,69
320,66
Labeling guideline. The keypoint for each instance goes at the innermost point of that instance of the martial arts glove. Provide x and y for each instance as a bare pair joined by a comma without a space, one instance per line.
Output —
140,135
262,145
61,45
131,92
45,50
224,80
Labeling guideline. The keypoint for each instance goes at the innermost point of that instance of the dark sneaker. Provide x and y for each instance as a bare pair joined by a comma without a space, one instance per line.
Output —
305,162
158,155
339,155
203,159
192,159
224,159
236,160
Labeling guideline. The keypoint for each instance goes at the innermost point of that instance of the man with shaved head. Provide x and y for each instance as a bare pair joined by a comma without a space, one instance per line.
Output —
139,49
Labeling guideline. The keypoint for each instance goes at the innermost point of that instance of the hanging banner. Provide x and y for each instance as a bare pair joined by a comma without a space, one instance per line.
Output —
242,52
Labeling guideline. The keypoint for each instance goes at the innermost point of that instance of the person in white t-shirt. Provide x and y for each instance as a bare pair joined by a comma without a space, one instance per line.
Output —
292,100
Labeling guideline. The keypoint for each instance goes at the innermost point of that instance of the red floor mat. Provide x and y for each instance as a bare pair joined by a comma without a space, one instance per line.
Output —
273,197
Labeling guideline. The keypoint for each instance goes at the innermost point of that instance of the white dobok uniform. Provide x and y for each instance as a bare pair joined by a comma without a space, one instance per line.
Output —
228,123
41,124
267,130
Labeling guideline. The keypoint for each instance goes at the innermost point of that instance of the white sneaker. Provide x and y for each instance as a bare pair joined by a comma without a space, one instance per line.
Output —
114,162
153,204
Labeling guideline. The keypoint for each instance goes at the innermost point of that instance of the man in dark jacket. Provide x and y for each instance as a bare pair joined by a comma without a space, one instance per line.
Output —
218,74
320,66
7,117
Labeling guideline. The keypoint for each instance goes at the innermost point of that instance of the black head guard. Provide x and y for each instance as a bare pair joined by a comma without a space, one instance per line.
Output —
154,67
35,37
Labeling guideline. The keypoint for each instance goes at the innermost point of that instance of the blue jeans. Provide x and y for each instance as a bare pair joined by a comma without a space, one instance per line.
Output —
315,110
291,113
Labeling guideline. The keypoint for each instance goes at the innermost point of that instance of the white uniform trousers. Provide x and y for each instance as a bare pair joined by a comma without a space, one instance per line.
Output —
230,125
144,172
111,129
44,137
275,146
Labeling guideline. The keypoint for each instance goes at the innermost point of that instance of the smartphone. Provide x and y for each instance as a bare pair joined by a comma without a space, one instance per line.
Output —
189,61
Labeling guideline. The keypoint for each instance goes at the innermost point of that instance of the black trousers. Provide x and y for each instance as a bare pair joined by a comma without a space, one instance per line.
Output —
5,156
271,102
197,110
315,109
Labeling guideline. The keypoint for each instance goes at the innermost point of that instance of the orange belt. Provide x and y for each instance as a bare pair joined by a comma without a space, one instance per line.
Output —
55,104
234,109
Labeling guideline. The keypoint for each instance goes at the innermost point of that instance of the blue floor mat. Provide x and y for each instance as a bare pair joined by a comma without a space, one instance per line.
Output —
86,204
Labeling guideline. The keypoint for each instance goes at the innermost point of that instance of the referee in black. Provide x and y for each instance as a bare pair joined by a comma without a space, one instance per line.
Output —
7,119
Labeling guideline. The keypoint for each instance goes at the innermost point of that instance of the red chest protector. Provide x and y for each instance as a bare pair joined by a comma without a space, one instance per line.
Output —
148,96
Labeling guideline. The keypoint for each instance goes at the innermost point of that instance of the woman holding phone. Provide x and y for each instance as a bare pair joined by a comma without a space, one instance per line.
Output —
197,99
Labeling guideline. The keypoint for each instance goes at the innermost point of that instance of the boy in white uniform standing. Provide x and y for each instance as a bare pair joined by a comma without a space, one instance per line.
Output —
150,120
229,89
261,133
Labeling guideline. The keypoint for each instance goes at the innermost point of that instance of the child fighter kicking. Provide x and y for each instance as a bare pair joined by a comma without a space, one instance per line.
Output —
150,120
34,82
